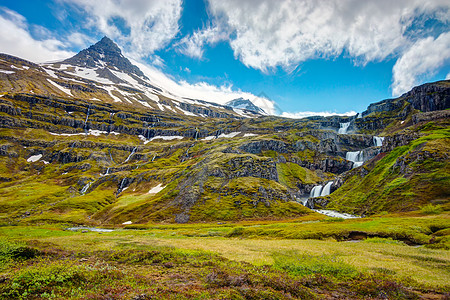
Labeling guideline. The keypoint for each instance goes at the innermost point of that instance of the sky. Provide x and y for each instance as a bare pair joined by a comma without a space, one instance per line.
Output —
308,57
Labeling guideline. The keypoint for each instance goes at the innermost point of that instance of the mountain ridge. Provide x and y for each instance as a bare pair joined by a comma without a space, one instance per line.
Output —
91,150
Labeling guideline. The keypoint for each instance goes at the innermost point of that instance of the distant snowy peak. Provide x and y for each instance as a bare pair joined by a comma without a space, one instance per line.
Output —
104,54
246,104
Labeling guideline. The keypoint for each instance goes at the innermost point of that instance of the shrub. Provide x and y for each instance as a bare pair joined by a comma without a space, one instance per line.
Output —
304,264
431,209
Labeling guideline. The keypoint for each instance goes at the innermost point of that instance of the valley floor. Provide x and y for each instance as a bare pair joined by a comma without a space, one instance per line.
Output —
313,257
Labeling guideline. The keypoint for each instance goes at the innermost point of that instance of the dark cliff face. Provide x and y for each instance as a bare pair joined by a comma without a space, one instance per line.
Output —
430,97
103,54
427,97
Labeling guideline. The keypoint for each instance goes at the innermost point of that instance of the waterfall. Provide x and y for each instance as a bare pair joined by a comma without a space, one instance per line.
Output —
87,117
153,157
85,188
326,189
357,157
196,134
121,186
110,155
320,190
315,192
131,154
378,141
107,172
343,128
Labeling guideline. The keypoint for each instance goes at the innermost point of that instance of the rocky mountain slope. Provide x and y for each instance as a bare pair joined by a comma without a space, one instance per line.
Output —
90,140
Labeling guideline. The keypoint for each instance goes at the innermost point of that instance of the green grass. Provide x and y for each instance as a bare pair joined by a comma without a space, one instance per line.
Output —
189,263
290,174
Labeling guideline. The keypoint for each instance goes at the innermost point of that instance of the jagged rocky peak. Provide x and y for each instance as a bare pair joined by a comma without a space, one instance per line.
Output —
104,54
242,103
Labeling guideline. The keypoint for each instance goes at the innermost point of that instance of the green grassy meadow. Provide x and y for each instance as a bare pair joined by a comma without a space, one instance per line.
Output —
313,257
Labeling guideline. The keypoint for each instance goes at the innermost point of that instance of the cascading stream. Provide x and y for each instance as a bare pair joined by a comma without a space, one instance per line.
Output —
343,127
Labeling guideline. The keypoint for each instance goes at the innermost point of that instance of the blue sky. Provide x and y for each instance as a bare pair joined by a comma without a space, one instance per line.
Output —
307,56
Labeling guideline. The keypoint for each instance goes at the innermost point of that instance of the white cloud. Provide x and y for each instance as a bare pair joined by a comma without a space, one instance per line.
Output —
80,40
193,45
266,34
420,62
141,26
202,90
16,40
305,114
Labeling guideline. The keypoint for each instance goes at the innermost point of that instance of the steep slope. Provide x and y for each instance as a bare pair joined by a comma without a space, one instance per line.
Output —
102,73
413,167
104,54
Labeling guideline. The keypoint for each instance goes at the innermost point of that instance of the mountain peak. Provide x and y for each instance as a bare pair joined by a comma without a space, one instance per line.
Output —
242,103
106,45
104,54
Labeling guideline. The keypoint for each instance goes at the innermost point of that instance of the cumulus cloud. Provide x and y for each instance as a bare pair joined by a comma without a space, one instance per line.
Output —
420,61
193,45
202,90
268,33
141,26
305,114
15,39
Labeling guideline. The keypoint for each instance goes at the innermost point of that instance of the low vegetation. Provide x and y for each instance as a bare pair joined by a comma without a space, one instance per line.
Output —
207,261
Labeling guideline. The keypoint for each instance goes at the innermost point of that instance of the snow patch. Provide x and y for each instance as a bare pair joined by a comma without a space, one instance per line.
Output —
67,91
208,138
110,89
229,135
250,135
187,113
166,138
51,73
91,75
34,158
156,189
127,223
7,72
90,132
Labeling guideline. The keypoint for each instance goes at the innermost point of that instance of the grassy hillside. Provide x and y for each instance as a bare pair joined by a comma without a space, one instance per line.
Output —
407,178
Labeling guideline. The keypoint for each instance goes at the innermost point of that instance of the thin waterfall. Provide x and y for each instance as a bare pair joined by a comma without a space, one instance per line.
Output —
110,155
131,154
343,127
320,190
378,141
196,134
107,172
121,186
357,157
326,189
85,188
315,192
87,117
